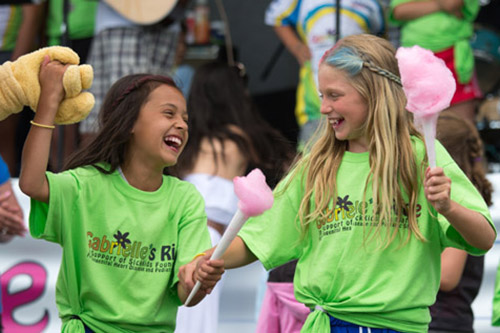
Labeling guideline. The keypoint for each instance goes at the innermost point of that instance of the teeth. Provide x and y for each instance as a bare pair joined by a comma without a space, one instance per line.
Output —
174,139
334,121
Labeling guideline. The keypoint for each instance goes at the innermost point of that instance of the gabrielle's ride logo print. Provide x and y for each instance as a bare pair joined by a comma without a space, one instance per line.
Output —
348,214
124,253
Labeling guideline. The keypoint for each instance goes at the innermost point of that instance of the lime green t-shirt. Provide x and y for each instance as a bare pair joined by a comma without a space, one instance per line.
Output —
350,278
122,247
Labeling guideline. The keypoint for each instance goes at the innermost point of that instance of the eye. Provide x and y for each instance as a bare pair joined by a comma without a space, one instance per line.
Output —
333,96
320,95
169,113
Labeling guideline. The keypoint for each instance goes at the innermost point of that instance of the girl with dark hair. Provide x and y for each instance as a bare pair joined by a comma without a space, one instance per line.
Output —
124,227
461,274
224,123
227,138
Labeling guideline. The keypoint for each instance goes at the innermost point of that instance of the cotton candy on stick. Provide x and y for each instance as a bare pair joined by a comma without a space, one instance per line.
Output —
429,87
255,197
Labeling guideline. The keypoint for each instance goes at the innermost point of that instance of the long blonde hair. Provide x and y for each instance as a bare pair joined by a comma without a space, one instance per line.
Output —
394,174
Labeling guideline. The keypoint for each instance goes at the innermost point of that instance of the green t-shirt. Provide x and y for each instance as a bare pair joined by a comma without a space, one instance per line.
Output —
349,278
122,247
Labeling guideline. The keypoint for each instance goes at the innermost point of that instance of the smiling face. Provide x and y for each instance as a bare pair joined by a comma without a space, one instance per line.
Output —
345,108
160,133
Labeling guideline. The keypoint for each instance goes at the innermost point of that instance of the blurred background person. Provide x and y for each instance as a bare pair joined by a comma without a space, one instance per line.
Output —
308,29
227,138
461,274
444,27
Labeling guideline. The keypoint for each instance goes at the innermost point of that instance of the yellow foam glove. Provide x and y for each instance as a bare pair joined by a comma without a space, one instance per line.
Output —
20,86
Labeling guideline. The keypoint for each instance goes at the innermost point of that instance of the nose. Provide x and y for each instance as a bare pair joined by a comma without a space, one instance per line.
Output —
325,108
181,124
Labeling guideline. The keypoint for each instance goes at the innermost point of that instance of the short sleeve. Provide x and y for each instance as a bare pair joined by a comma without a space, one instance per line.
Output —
274,236
47,220
282,13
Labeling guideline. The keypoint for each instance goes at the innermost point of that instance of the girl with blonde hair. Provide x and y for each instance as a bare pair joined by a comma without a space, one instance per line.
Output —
363,214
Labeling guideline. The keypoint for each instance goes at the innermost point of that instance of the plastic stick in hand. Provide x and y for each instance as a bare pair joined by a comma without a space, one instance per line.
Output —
255,197
429,87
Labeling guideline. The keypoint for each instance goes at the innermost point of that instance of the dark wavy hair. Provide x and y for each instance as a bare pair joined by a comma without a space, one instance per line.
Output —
219,99
117,116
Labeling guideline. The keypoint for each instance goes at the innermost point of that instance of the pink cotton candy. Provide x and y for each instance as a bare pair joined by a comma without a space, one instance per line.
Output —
254,193
427,82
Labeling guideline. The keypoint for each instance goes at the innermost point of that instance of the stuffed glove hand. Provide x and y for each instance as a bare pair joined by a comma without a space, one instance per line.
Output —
20,86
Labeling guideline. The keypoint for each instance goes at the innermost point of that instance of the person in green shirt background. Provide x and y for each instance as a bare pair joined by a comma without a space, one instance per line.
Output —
444,27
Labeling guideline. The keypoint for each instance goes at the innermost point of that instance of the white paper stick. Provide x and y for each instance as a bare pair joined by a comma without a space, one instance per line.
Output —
232,230
429,129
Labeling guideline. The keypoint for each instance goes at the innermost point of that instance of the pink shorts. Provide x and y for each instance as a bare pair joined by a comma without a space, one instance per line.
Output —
280,311
464,92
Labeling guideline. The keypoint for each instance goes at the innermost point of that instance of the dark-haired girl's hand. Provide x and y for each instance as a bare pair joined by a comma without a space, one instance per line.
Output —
51,80
437,187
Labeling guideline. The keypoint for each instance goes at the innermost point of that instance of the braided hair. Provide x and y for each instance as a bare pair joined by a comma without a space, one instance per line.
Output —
378,70
461,139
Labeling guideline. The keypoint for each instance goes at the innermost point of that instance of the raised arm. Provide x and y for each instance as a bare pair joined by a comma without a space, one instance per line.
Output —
32,180
473,226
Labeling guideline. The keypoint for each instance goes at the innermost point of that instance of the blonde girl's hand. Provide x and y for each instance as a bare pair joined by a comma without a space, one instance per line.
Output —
51,79
437,187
